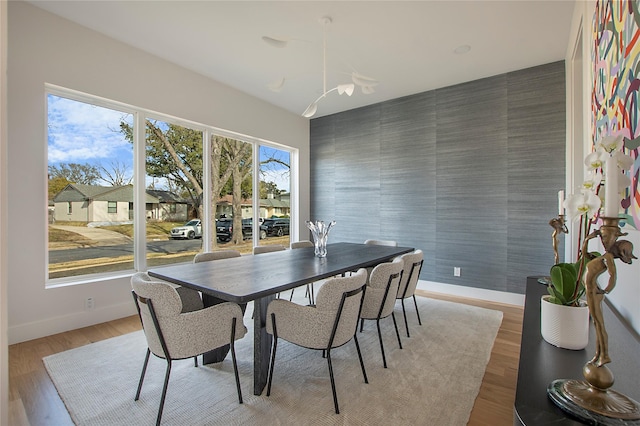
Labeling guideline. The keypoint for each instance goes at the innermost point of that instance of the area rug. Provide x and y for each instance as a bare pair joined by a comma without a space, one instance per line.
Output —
433,380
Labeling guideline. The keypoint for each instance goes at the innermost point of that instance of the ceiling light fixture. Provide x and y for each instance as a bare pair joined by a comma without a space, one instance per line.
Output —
341,88
366,84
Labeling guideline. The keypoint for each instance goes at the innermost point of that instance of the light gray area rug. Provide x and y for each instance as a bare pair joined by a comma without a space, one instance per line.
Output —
434,380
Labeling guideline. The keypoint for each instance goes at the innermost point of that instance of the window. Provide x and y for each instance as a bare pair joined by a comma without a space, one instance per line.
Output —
275,196
90,161
175,175
195,178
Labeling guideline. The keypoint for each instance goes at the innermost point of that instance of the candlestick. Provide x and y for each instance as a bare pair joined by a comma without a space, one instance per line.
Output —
560,202
611,198
593,401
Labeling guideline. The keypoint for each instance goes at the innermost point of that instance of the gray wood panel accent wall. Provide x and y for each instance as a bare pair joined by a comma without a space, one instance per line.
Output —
467,173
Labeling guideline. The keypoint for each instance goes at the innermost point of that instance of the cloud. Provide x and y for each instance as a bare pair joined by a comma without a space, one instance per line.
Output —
79,133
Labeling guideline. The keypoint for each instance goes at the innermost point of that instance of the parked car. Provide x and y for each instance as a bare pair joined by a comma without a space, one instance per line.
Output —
189,231
274,227
224,229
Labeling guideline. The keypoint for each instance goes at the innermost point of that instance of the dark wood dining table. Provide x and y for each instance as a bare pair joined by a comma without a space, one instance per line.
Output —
259,278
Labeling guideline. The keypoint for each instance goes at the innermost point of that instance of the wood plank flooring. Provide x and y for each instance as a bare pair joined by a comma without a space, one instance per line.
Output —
34,401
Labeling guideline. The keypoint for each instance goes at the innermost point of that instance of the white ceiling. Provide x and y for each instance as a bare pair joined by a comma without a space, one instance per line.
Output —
407,46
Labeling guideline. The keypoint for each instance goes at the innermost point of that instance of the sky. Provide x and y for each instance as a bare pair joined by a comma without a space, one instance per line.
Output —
82,133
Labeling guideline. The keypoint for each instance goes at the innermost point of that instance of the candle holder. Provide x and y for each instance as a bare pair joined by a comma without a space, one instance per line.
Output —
592,400
558,225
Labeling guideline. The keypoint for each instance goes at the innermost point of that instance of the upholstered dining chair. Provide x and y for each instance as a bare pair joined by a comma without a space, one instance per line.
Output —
215,255
409,281
331,323
173,334
309,292
382,243
379,297
268,248
301,244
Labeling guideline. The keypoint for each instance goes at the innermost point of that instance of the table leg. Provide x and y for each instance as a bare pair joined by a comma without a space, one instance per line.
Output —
261,344
218,354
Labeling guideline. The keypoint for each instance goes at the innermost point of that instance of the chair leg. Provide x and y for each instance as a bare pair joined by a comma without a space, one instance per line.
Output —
417,313
384,359
144,370
333,383
361,324
404,312
395,324
233,358
291,296
195,361
273,353
164,392
364,373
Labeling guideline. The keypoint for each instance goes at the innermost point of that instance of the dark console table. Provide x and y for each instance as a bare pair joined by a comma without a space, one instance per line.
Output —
541,363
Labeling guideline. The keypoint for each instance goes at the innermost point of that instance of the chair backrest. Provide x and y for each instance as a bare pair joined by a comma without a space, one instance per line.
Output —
343,297
158,304
410,273
268,248
382,243
301,244
382,288
215,255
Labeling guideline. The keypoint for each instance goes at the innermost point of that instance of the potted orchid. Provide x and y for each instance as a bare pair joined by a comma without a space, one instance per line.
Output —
566,288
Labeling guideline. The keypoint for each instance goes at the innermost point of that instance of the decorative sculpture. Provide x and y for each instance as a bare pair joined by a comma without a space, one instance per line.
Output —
593,400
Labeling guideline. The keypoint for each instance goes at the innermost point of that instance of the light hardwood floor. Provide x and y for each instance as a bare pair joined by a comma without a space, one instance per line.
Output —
34,401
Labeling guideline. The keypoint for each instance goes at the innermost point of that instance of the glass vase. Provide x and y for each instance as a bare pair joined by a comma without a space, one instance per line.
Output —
320,232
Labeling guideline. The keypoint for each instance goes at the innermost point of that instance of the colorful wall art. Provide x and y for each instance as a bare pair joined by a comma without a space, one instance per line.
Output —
616,85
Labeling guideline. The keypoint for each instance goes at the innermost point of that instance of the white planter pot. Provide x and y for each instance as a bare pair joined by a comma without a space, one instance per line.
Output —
564,326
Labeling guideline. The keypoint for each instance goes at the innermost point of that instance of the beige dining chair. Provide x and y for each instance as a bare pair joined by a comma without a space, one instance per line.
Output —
215,255
409,281
331,323
301,244
209,256
172,334
309,291
268,248
379,297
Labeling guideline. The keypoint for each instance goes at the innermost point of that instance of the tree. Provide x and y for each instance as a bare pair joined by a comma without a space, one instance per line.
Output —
85,174
117,175
57,184
267,188
174,154
239,161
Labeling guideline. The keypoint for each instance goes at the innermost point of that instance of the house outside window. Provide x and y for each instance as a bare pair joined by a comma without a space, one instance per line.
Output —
112,207
69,207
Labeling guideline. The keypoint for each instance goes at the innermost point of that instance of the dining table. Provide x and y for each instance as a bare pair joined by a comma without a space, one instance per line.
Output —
259,278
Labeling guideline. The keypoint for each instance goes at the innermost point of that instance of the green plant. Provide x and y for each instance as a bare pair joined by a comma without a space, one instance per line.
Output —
567,283
565,288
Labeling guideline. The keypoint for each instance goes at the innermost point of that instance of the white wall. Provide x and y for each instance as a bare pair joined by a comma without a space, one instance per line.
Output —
626,295
4,353
44,48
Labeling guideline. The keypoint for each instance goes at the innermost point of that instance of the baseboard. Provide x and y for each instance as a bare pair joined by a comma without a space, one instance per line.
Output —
472,292
60,324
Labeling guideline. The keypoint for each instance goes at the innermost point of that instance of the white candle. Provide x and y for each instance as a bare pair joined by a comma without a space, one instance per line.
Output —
560,202
611,198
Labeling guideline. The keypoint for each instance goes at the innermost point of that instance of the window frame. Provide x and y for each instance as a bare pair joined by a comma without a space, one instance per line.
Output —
139,116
